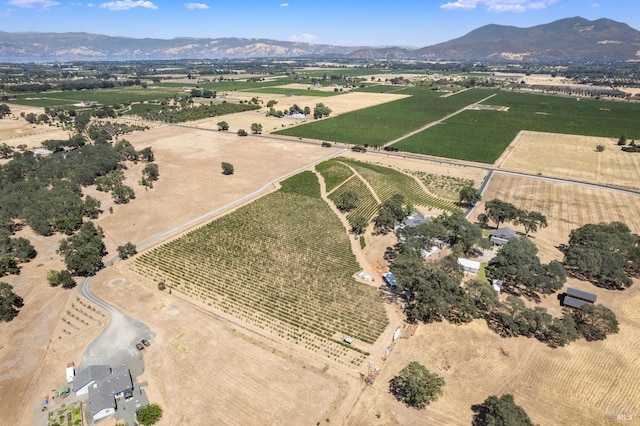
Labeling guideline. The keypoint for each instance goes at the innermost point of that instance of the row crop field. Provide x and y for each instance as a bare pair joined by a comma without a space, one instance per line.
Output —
380,124
334,173
386,182
367,204
282,263
111,96
482,135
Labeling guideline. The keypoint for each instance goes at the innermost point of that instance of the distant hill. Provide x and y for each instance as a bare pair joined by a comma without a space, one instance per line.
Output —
29,46
571,39
575,39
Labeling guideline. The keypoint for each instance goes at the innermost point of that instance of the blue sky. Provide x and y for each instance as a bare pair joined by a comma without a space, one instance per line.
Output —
351,23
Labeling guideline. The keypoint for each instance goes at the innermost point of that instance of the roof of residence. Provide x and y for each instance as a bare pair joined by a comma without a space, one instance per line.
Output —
90,374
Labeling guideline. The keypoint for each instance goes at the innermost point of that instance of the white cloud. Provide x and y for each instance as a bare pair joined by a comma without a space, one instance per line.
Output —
305,37
498,5
33,4
128,4
193,6
595,5
284,4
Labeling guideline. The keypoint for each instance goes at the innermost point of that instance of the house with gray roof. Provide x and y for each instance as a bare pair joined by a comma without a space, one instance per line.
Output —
105,393
501,236
87,376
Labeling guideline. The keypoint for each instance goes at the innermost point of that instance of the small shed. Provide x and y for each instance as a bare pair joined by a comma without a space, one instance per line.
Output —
71,372
471,267
573,303
581,295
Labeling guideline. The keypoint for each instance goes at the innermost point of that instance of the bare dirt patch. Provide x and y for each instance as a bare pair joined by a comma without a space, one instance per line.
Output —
573,157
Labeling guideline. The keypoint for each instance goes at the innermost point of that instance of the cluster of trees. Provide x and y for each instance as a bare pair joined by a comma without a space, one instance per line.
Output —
321,110
454,230
513,318
13,250
180,115
83,251
127,250
606,254
390,212
63,278
150,174
293,109
517,265
203,93
433,290
500,212
416,386
10,303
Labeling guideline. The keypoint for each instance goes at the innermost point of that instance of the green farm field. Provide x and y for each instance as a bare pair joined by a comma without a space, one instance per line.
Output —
482,135
101,96
380,124
282,263
384,181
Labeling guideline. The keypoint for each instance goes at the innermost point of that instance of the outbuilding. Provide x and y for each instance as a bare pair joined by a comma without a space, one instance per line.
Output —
470,267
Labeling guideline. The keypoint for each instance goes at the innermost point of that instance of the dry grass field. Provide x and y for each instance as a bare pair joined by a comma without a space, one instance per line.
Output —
208,369
34,349
572,157
567,206
585,383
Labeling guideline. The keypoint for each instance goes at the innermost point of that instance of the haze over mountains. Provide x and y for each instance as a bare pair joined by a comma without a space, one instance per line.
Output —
571,39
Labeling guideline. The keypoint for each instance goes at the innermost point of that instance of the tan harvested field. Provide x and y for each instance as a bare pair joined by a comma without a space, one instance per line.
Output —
572,157
584,383
566,206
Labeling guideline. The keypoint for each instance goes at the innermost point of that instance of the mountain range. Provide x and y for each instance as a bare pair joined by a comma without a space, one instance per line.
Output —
570,39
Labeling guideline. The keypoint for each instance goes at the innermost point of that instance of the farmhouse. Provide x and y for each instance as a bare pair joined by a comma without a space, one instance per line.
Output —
88,376
414,220
104,394
501,236
470,267
575,298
